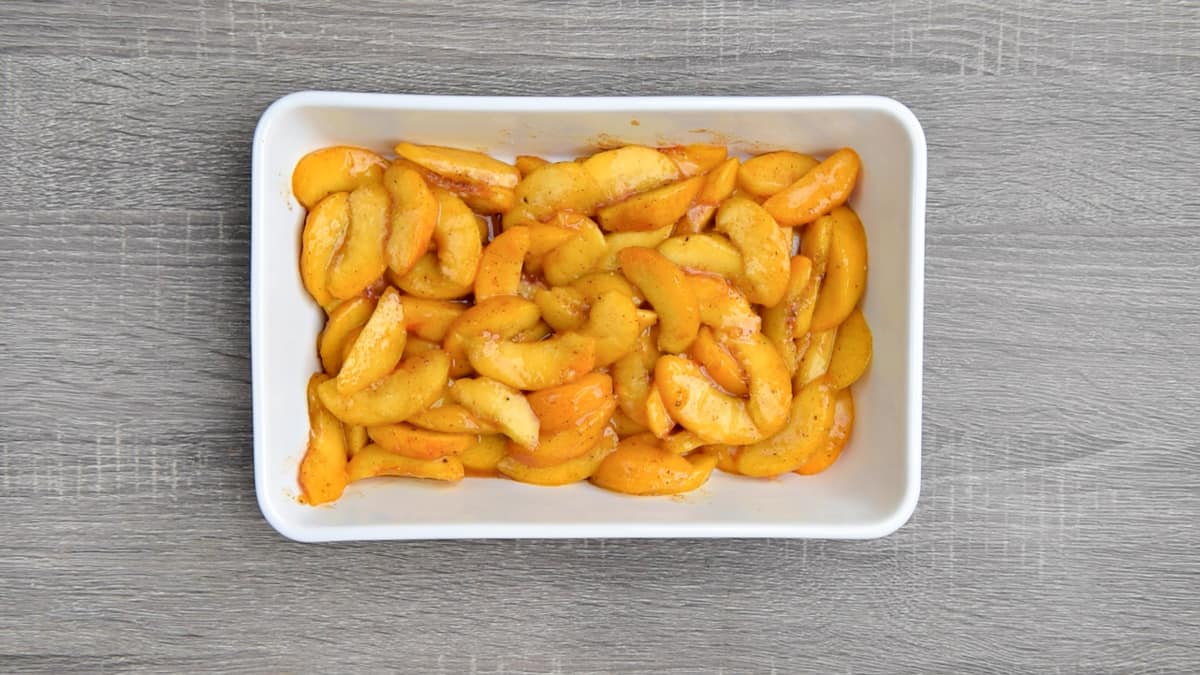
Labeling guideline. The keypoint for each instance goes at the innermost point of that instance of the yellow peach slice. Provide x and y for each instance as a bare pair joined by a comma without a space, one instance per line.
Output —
640,467
340,168
533,365
430,319
631,377
852,351
378,347
503,316
846,273
818,191
570,441
415,384
682,442
360,261
626,426
666,287
658,420
593,285
373,461
563,307
718,185
696,158
563,186
652,210
814,243
461,165
835,441
575,257
322,474
499,404
711,253
779,323
324,229
613,323
811,417
561,407
456,238
722,306
543,238
769,173
618,241
413,218
356,439
526,164
814,362
483,456
418,443
345,321
765,248
571,471
451,418
625,171
500,266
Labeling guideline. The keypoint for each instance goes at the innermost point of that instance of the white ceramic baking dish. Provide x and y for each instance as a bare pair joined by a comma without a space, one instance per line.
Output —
870,492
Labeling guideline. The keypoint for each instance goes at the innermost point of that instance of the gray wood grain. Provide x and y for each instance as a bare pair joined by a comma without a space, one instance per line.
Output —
1057,524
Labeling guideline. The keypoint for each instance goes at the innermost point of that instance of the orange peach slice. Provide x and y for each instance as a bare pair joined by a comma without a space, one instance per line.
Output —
652,210
414,217
373,461
378,347
682,442
626,426
619,241
543,238
814,362
503,316
641,467
722,306
719,363
527,164
451,272
415,384
360,261
344,322
499,404
533,365
324,229
769,173
482,457
658,420
410,441
461,165
814,243
852,351
571,471
500,266
711,253
568,441
356,439
575,257
846,273
696,158
323,470
820,190
835,441
629,170
812,414
718,185
340,168
666,287
561,407
765,248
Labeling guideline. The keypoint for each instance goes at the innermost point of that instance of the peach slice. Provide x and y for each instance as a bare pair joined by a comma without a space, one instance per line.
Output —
811,417
719,363
340,168
696,158
779,323
533,365
820,190
360,261
482,457
527,164
641,467
625,171
430,319
415,384
410,441
500,266
571,471
561,407
722,306
503,316
451,272
378,347
666,287
543,238
499,404
765,248
373,461
451,418
593,285
835,441
618,241
465,166
575,257
413,218
771,172
846,273
613,323
652,210
324,228
343,323
323,470
852,351
658,420
562,186
711,253
814,362
718,185
563,307
631,377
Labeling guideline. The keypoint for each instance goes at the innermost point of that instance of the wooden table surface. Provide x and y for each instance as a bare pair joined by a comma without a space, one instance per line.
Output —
1057,527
